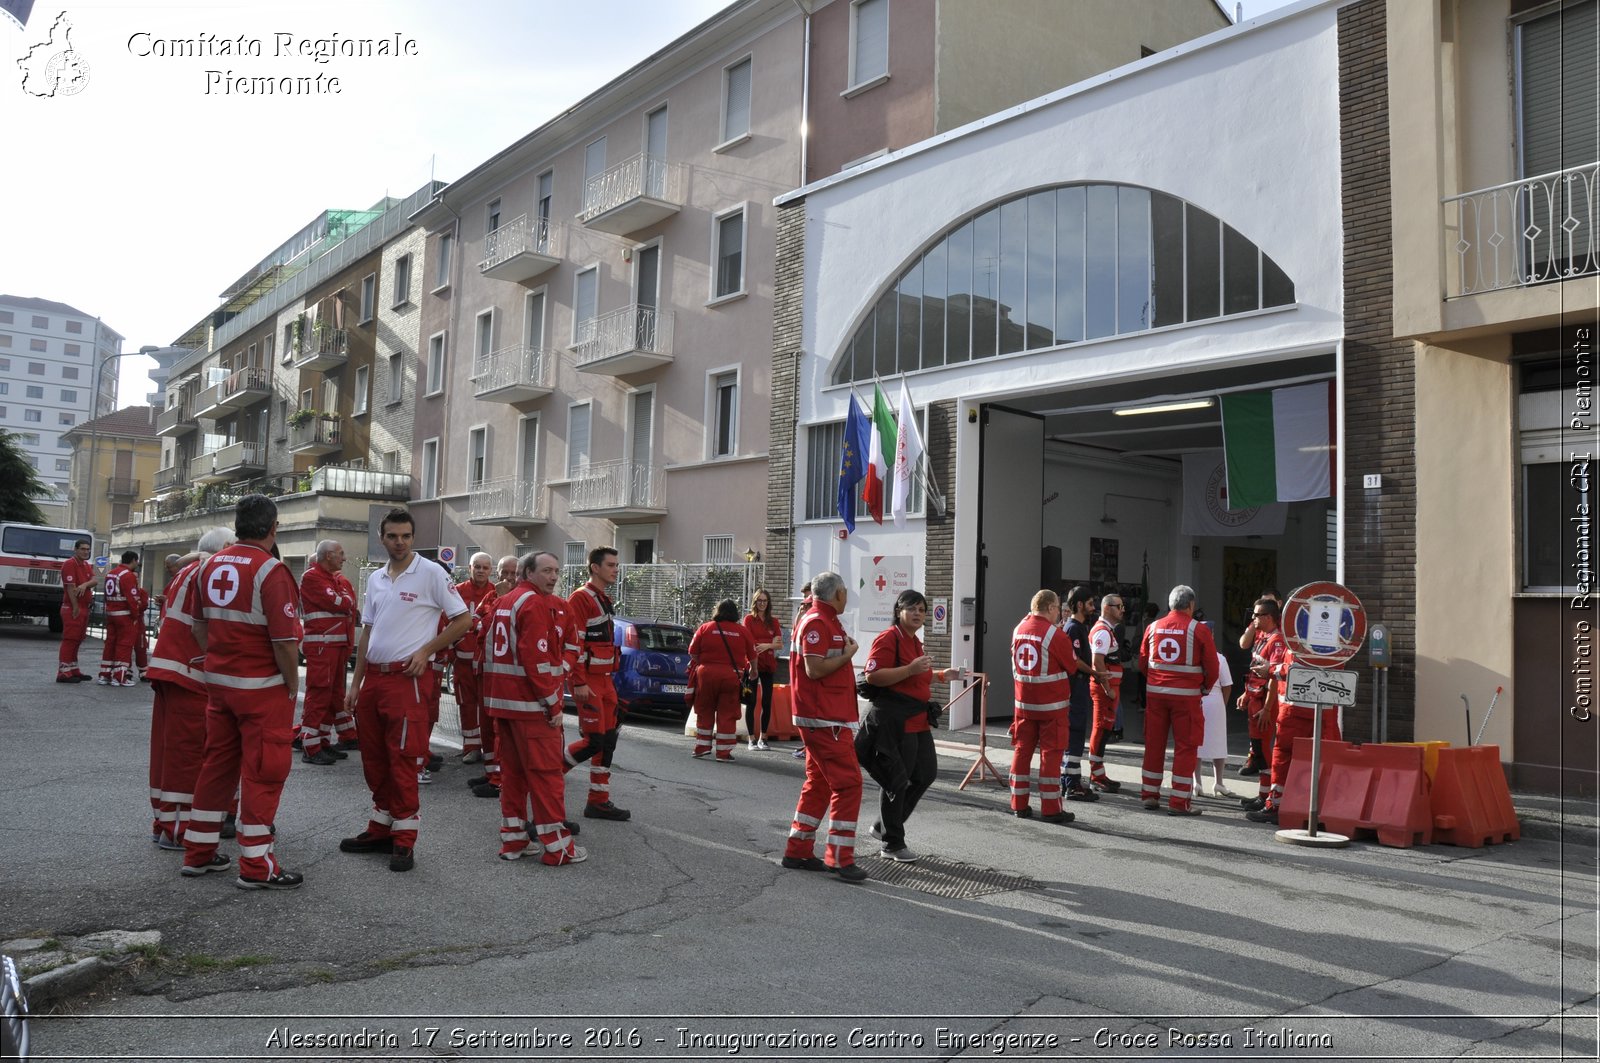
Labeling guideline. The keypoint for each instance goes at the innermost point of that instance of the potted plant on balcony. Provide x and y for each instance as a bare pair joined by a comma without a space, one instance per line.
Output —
303,417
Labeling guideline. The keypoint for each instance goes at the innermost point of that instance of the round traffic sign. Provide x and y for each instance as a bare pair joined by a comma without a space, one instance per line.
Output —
447,554
1324,624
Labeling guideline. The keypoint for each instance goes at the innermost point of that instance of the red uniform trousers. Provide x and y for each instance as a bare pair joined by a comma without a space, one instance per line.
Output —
392,715
469,699
249,734
597,734
1291,725
73,630
716,702
325,693
141,646
117,656
491,747
1049,736
1263,730
177,746
532,787
833,785
1182,717
1105,721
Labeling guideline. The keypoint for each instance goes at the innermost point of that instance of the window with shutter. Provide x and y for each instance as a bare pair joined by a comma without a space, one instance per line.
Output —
1558,66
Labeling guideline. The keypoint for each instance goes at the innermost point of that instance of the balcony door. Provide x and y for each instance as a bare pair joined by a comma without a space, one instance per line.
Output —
477,457
655,151
641,418
646,295
528,465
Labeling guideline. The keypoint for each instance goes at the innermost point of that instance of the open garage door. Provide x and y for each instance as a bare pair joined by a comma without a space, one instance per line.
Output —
1010,536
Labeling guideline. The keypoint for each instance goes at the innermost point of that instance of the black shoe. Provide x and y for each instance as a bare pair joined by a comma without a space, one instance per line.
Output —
230,826
1114,736
297,745
1253,804
1022,813
401,859
1190,811
804,863
321,756
477,780
850,873
218,863
606,811
1081,792
487,789
66,679
1263,815
572,828
367,843
283,880
350,745
1251,766
1109,786
335,752
435,761
1059,817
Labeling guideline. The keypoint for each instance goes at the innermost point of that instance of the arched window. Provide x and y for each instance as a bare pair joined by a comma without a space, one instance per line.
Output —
1056,267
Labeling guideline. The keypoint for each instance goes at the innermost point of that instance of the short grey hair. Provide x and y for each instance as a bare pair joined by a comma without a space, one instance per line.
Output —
1106,601
825,586
326,547
1181,598
173,559
513,558
473,560
218,538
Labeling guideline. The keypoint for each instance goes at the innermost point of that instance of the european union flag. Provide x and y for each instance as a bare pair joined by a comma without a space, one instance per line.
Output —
19,10
853,463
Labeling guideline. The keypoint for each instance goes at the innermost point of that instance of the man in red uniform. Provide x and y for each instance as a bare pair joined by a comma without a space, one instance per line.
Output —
122,598
1259,701
826,714
328,607
1042,663
399,636
140,638
487,785
245,621
178,716
77,602
592,657
1179,658
468,669
1104,687
1294,721
523,683
1259,762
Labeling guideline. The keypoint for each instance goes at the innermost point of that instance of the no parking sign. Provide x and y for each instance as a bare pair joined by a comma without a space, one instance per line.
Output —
447,554
941,615
1324,624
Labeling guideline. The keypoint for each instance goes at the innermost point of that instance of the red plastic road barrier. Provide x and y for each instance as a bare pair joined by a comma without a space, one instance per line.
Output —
1471,801
1371,789
781,724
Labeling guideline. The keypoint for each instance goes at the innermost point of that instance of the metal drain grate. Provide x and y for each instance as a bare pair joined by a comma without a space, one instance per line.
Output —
947,878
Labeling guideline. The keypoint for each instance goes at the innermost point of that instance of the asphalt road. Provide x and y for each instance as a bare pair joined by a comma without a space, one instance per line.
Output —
1128,935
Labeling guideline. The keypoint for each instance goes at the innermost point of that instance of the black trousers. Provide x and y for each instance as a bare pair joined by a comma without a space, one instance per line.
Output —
766,706
916,751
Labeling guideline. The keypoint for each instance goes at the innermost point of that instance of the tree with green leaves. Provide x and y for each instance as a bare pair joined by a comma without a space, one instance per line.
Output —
19,484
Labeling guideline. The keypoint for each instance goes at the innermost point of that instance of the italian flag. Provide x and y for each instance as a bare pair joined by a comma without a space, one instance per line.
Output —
1278,444
881,451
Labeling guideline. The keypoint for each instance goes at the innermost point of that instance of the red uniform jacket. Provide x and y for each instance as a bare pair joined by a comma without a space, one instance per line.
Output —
329,604
247,599
1179,657
591,645
177,658
1042,663
831,700
525,671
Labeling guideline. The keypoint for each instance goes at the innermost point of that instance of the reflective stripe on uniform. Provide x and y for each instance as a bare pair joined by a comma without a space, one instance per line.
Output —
239,682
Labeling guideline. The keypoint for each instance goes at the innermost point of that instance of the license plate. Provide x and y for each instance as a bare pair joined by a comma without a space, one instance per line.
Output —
674,688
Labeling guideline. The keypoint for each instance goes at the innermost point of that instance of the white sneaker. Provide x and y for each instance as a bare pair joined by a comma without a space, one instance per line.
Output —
902,855
752,746
130,682
761,743
577,856
424,777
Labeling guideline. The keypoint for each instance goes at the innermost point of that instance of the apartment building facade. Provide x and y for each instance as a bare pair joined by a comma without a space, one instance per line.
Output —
114,459
595,350
54,359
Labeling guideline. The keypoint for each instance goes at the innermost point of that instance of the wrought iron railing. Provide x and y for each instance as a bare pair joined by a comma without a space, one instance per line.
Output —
518,366
1533,231
508,498
633,328
623,484
122,487
642,176
539,236
323,342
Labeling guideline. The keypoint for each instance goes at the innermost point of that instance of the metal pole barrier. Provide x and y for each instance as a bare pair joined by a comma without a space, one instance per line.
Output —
1311,836
982,766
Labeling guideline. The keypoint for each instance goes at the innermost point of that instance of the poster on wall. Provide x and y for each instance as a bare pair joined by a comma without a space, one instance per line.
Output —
1102,561
882,580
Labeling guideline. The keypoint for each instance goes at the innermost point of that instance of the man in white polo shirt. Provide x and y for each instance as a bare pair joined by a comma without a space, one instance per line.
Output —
399,636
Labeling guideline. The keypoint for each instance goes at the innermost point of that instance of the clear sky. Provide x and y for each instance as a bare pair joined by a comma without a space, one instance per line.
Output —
142,196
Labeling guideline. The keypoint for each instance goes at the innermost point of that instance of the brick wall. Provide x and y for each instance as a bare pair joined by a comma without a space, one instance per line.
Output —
1380,372
788,292
940,545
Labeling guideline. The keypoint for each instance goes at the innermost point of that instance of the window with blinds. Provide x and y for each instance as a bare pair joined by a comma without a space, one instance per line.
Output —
824,455
1558,71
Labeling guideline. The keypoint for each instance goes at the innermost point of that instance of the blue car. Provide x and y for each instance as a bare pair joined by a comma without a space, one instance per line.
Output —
654,671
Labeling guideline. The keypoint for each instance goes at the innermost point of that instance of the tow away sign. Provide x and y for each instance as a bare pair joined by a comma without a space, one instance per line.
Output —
1314,686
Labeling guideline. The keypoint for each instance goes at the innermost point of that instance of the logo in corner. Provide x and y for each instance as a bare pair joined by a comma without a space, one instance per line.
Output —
54,67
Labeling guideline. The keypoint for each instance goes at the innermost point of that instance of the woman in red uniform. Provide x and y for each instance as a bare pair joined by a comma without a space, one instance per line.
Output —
718,652
897,662
767,634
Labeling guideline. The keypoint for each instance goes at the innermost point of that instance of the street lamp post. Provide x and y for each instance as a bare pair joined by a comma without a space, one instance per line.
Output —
94,441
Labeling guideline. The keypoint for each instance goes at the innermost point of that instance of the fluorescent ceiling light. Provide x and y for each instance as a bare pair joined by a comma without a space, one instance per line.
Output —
1166,407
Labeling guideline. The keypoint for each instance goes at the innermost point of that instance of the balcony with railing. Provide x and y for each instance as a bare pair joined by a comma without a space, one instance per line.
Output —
632,195
172,478
322,347
624,341
244,387
514,374
121,488
1535,231
244,458
521,249
618,490
177,419
319,434
511,502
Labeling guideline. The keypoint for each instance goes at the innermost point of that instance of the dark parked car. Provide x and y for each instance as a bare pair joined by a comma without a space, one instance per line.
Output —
654,671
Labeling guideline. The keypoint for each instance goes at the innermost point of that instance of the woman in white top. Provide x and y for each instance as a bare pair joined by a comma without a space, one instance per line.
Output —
1214,749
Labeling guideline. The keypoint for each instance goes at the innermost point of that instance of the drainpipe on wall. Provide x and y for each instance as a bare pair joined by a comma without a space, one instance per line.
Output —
1339,463
805,88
